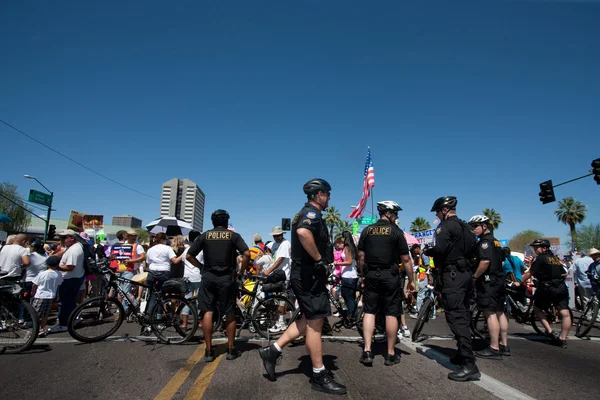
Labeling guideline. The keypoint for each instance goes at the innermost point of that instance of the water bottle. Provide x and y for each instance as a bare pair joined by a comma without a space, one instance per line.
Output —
521,307
134,301
343,305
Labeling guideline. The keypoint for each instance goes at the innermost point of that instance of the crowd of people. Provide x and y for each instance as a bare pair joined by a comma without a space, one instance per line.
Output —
464,258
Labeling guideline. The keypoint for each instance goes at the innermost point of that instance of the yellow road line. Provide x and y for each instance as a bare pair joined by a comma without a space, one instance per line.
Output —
177,380
203,380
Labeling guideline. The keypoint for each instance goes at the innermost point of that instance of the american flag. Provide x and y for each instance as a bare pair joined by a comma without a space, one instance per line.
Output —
368,183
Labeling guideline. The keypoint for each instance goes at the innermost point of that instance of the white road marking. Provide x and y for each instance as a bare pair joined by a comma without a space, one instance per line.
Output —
486,382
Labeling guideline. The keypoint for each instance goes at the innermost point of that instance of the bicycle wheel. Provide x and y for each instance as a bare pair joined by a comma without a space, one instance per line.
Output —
15,337
96,319
165,319
479,327
422,317
272,316
587,320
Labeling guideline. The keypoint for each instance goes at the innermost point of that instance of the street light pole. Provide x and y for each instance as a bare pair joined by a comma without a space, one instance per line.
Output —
49,206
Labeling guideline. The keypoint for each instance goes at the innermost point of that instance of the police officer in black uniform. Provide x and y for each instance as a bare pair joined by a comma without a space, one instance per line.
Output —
551,289
454,247
312,253
489,283
381,248
218,286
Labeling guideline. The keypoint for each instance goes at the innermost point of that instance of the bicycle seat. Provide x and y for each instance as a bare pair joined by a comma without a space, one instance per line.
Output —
261,278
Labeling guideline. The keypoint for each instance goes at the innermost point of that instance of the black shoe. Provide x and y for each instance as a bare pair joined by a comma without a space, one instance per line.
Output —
232,354
505,351
324,382
561,343
392,359
270,356
489,353
457,360
209,355
366,358
466,372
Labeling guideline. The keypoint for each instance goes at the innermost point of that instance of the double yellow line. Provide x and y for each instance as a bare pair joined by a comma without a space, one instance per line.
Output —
200,384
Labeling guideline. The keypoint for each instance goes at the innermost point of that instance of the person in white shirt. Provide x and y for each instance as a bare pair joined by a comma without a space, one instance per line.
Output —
14,257
45,286
160,257
283,254
37,264
73,273
265,261
194,276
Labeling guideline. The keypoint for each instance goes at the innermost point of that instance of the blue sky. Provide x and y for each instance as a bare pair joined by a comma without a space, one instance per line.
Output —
250,99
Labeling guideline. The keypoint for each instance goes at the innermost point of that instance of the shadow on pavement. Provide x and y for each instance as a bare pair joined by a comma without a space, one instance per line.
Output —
34,349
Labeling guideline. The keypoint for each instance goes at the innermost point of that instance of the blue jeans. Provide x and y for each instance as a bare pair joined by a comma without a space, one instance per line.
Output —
349,295
192,287
423,293
126,287
67,293
156,279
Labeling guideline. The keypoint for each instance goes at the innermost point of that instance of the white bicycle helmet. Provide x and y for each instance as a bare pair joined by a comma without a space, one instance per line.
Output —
388,205
479,219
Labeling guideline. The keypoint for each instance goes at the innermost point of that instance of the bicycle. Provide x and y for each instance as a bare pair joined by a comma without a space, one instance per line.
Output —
590,313
106,314
16,337
257,312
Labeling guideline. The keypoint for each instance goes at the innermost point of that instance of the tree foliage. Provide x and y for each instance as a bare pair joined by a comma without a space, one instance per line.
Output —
588,236
342,226
332,218
494,216
571,212
143,235
11,205
419,224
521,240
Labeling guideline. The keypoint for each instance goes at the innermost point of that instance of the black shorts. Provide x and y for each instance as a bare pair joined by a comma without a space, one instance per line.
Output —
217,291
383,292
556,295
491,298
314,304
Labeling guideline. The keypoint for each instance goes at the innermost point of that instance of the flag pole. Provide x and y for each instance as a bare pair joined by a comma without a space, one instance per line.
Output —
372,208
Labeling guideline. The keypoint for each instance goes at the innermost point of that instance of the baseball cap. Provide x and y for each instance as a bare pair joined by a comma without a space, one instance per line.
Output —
67,232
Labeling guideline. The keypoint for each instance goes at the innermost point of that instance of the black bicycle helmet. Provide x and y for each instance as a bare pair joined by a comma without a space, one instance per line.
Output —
446,201
220,214
540,243
315,186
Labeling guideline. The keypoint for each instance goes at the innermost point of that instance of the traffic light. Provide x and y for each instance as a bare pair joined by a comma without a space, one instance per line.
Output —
547,192
286,224
51,231
596,170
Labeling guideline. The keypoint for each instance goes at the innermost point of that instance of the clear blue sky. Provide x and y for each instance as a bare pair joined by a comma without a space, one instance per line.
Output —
250,99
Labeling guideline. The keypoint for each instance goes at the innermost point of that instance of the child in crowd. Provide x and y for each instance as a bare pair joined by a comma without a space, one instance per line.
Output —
45,287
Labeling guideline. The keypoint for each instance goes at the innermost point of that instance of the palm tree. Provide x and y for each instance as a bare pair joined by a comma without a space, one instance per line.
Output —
419,224
332,218
494,216
342,226
571,212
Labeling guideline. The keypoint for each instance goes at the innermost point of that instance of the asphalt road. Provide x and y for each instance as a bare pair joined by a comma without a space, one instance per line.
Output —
126,368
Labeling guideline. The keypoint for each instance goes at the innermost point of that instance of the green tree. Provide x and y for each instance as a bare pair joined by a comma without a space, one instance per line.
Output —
494,216
342,226
14,208
571,212
143,235
332,218
588,236
419,224
521,240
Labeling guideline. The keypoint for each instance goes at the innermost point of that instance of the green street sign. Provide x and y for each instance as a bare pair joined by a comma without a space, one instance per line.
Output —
367,220
40,198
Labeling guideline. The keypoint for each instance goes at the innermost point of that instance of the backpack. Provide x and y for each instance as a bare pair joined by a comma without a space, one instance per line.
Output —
89,257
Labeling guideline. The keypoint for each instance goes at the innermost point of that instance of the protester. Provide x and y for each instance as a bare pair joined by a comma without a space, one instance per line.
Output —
37,258
14,257
160,258
177,269
423,277
194,276
582,281
44,288
348,272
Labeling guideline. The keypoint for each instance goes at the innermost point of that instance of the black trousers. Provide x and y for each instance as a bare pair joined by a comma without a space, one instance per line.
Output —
457,293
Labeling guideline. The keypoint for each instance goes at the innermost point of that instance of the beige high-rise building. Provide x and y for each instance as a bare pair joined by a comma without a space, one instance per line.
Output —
183,199
127,220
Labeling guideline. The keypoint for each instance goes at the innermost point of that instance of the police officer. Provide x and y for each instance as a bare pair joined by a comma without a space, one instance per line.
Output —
381,248
311,254
551,289
454,246
220,247
489,283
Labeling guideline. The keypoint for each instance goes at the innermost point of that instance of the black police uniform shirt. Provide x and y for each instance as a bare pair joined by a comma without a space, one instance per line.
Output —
310,218
383,244
547,267
220,247
446,233
490,249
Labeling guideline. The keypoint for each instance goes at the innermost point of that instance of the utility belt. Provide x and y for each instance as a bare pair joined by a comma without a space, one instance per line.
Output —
460,265
551,283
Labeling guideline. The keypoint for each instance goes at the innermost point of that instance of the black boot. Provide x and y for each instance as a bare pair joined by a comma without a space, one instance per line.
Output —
466,372
270,355
505,351
366,358
233,353
209,355
324,382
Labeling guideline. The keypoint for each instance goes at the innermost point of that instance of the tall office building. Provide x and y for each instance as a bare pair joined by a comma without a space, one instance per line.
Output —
127,220
183,199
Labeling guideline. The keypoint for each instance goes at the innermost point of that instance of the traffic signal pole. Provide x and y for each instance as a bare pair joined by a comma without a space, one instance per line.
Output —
573,180
48,216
